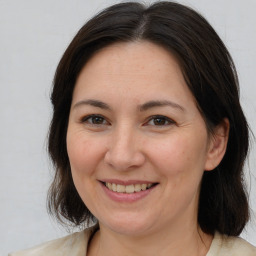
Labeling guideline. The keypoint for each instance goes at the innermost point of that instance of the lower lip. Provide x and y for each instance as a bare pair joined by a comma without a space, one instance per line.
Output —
126,197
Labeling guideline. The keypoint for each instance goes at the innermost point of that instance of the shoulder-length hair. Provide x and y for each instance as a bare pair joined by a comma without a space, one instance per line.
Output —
211,77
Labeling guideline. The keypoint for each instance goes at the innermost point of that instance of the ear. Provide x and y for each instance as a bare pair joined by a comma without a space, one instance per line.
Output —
217,145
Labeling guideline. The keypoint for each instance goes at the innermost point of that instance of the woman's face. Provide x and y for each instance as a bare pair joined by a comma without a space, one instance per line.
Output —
136,141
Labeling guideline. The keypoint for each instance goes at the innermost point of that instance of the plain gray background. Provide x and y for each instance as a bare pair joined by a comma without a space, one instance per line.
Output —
33,36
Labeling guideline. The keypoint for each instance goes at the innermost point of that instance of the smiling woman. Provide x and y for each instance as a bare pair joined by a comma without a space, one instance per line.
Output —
149,135
148,138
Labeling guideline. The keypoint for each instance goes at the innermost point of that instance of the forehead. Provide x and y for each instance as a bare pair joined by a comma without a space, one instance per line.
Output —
141,70
133,57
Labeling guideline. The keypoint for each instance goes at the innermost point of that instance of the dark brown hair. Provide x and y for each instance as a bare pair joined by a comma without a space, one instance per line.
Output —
210,75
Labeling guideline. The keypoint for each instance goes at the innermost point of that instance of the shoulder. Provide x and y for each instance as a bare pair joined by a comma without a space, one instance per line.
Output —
223,245
74,244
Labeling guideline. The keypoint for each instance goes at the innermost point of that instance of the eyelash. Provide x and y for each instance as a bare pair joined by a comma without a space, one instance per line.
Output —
167,121
87,118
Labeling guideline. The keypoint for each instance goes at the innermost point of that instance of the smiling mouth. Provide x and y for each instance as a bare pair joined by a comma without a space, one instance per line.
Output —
129,189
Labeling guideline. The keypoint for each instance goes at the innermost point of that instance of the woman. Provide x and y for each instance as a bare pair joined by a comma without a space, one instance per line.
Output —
148,138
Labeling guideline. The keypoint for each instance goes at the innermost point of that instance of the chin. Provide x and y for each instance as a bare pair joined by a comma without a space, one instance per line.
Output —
128,226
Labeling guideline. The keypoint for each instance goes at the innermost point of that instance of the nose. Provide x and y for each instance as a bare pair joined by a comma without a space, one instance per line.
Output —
124,150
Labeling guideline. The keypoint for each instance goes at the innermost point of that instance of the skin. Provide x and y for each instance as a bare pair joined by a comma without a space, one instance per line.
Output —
128,142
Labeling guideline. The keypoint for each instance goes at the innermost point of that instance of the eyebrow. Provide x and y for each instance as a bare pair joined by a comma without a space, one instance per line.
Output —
94,103
144,107
160,103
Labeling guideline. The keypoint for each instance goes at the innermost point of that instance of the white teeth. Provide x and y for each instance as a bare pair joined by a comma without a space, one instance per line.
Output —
137,187
120,188
109,185
144,186
150,185
129,188
113,187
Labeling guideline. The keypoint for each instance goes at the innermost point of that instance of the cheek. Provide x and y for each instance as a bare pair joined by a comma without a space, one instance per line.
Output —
179,155
180,163
84,154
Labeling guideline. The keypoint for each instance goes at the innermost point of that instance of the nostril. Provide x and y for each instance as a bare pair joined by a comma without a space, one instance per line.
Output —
122,160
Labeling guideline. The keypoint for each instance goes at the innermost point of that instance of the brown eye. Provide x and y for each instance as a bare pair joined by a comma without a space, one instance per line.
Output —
95,120
160,121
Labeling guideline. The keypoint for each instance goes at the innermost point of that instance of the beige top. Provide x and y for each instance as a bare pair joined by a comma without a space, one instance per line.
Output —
76,245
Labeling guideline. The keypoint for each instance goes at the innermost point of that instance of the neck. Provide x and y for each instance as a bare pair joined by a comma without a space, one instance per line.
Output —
187,241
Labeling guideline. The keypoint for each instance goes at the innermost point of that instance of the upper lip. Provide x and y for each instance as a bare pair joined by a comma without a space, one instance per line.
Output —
127,182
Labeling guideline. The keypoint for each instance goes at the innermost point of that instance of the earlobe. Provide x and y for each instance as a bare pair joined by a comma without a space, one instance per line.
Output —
217,145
